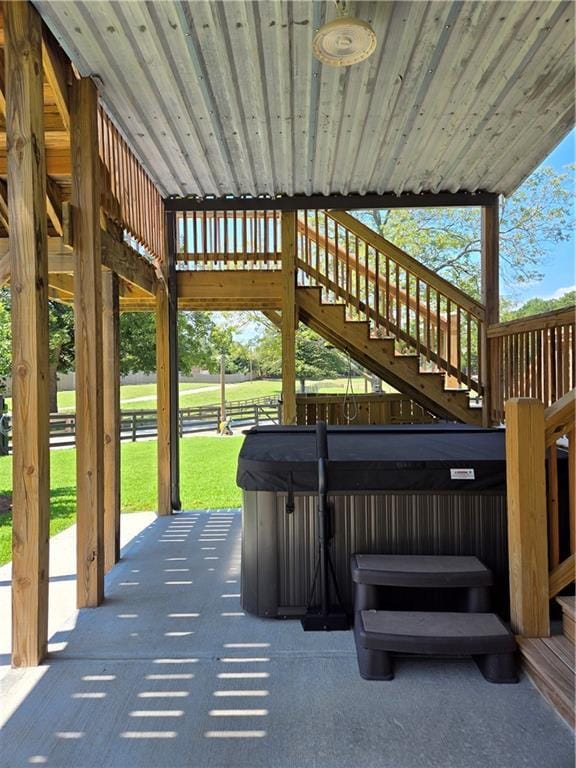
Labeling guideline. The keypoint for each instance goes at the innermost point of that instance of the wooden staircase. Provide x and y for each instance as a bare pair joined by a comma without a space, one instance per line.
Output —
380,356
549,662
390,313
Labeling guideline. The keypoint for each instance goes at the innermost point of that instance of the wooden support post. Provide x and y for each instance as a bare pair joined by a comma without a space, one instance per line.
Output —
29,275
173,364
88,334
490,287
111,396
527,525
163,400
289,317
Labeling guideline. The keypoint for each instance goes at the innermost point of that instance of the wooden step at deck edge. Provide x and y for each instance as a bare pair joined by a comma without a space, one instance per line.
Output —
568,617
551,676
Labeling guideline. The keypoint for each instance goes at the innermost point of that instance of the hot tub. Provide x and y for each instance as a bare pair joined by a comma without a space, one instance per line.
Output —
410,489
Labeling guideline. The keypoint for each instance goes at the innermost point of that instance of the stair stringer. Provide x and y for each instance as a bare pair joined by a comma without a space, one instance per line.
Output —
378,356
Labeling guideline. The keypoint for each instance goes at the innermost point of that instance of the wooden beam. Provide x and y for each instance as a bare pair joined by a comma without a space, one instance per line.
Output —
118,257
289,317
249,287
88,330
29,270
111,397
527,524
490,291
337,202
2,83
163,400
128,264
58,74
54,205
58,162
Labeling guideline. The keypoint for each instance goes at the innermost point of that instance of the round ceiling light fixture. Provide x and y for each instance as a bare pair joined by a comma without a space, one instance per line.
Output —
344,41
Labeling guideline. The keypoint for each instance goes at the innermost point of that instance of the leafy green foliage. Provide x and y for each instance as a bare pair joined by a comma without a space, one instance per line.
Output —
536,306
535,218
315,358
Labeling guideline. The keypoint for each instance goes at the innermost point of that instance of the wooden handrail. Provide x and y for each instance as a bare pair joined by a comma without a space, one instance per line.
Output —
335,250
560,417
553,319
407,262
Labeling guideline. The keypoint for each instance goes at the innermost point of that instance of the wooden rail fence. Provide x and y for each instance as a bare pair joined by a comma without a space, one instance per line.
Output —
142,424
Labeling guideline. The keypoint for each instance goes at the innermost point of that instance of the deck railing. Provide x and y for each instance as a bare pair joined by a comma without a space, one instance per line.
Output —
541,521
532,357
385,408
129,197
228,240
398,296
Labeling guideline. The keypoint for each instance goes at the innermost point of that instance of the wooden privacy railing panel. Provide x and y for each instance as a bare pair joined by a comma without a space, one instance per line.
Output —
360,409
399,296
532,357
129,197
229,240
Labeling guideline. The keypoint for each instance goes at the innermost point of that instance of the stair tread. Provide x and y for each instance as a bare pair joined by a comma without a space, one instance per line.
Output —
568,606
554,678
563,648
420,570
435,632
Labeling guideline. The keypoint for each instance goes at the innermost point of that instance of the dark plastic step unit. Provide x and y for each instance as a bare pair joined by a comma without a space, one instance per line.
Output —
483,636
371,572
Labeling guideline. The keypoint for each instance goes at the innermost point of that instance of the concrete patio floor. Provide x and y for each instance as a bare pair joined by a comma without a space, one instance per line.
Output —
170,672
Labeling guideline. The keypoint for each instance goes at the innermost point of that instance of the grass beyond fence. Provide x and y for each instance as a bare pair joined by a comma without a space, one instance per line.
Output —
207,474
143,396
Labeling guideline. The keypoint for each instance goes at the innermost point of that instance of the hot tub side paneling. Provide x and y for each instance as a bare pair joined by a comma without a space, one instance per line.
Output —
280,549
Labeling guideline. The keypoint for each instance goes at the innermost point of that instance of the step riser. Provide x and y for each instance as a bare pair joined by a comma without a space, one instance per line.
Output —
569,628
547,688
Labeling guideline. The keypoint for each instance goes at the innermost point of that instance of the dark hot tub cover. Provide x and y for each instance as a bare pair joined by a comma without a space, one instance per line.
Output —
381,458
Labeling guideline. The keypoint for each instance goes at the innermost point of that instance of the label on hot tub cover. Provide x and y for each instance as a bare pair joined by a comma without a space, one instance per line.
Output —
462,474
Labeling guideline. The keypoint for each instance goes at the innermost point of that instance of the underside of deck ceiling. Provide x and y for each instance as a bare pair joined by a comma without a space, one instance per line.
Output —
225,98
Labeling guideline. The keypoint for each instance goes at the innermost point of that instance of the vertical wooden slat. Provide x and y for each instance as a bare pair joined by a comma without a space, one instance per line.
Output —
490,293
29,283
289,317
111,404
88,336
526,512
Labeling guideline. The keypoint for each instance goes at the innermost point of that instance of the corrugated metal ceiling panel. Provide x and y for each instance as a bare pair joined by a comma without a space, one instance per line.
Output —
226,98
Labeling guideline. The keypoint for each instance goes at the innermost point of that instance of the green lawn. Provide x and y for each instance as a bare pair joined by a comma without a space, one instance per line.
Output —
208,480
143,396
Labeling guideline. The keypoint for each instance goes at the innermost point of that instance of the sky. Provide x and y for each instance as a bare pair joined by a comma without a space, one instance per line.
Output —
560,271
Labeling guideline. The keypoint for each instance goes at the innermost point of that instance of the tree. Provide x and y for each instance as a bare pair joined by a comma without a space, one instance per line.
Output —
315,358
200,342
536,306
61,320
535,218
5,342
